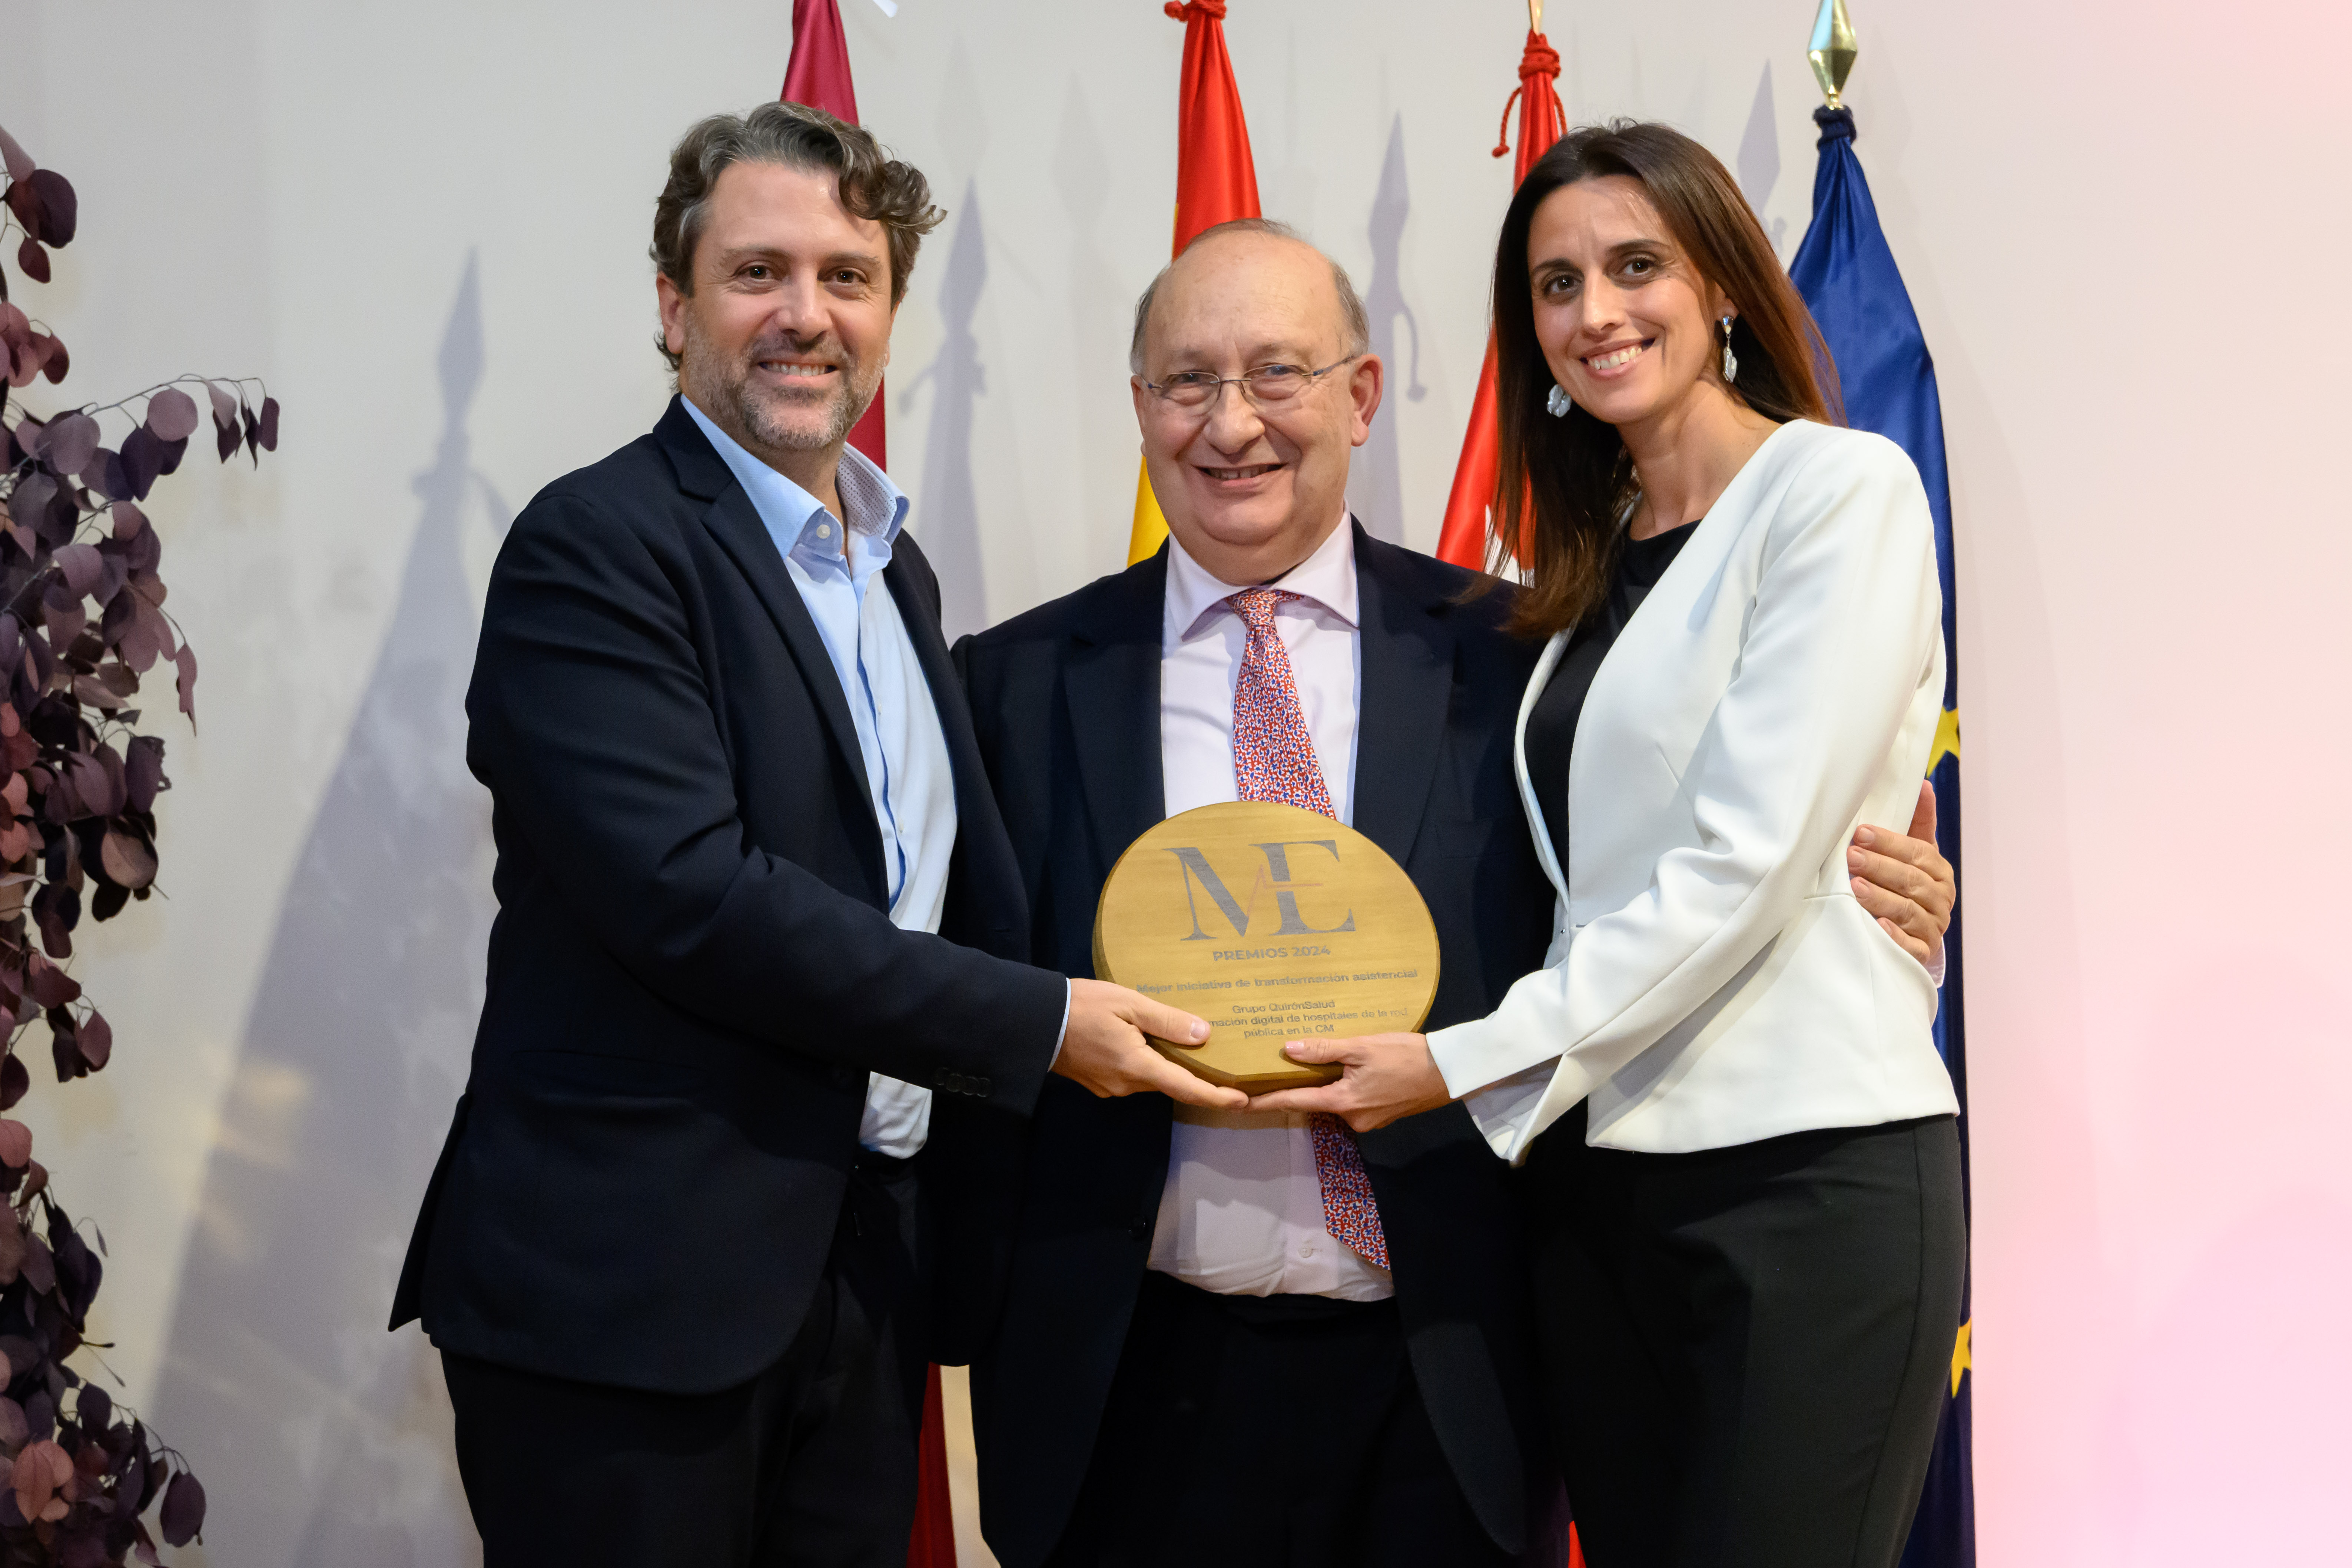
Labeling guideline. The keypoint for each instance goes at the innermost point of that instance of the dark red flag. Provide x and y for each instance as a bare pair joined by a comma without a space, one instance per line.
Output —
818,75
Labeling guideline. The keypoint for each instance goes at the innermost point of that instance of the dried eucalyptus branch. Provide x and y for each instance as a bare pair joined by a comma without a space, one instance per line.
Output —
81,621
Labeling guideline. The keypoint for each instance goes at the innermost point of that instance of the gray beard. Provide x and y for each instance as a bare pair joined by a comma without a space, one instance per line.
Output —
733,392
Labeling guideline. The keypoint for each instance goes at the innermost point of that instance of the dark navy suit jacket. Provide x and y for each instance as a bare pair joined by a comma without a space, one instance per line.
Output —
692,970
1065,703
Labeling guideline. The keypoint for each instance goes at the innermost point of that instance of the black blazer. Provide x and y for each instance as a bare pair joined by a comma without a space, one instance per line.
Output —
691,970
1065,700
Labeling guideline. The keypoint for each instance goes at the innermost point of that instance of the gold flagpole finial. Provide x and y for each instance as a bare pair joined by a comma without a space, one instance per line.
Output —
1534,16
1832,49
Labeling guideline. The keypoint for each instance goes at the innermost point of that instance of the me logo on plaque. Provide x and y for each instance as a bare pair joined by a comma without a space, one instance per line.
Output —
1273,923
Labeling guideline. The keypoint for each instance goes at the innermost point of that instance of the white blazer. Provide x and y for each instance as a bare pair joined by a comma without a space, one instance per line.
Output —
1712,980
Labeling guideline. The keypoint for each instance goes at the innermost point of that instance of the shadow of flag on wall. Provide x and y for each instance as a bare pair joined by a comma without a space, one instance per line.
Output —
1847,274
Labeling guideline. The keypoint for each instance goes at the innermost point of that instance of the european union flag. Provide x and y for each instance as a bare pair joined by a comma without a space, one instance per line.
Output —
1848,276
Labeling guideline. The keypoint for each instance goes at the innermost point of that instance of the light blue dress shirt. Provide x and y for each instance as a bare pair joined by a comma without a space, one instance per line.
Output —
908,776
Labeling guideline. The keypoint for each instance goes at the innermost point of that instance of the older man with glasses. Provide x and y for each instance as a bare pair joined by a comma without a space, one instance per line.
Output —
1240,1338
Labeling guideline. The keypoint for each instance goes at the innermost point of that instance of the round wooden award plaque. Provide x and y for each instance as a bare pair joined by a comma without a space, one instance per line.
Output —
1274,924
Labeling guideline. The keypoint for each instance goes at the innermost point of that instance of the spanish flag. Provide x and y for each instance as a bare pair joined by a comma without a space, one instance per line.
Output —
1216,182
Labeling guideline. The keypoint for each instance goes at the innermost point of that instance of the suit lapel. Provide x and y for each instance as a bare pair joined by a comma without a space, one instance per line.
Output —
1405,645
735,522
1112,686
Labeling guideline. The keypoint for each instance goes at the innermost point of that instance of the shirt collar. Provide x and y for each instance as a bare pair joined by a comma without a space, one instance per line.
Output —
1327,577
798,520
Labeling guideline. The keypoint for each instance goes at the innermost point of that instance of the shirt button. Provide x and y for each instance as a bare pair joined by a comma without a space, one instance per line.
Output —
1306,1252
824,531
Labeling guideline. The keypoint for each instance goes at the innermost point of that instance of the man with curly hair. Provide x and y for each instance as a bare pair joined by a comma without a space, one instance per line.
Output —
756,957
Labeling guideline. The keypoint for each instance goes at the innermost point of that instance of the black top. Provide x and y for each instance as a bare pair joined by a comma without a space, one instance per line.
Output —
1551,728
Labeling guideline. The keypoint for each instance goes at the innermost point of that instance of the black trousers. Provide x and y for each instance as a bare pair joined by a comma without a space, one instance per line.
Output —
810,1465
1267,1432
1747,1348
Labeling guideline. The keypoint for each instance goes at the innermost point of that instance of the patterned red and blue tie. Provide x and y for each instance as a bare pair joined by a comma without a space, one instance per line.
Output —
1274,759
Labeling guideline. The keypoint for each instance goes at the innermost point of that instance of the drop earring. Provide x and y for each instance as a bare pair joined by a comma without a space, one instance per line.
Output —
1557,402
1730,359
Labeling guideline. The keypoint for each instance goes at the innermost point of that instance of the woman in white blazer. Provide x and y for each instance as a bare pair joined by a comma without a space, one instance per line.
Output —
1743,1171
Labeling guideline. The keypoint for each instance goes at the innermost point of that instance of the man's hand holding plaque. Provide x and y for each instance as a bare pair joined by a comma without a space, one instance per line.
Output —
1271,922
1107,1048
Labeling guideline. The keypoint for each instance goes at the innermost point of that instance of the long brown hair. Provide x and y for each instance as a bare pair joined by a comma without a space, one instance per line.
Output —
1564,485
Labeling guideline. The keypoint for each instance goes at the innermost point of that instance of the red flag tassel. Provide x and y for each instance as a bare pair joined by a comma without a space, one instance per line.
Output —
1542,119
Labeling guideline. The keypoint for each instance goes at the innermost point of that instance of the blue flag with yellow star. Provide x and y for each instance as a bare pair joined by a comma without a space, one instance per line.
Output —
1847,274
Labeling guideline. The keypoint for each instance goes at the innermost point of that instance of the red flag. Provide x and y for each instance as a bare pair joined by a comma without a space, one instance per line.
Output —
818,75
1216,181
1542,119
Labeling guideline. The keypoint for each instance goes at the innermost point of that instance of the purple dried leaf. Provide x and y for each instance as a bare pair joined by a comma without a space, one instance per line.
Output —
267,426
128,520
92,692
58,205
33,260
72,441
225,402
129,863
110,580
95,1039
95,1407
172,414
31,498
40,1266
59,361
48,984
81,566
93,784
143,459
14,1428
16,1145
14,1082
187,663
184,1510
142,772
19,165
24,200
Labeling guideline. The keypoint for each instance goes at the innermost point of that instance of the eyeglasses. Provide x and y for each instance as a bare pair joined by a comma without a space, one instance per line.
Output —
1267,386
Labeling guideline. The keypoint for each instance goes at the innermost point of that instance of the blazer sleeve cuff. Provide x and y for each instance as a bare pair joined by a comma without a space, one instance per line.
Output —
1504,1111
1039,1016
1482,1051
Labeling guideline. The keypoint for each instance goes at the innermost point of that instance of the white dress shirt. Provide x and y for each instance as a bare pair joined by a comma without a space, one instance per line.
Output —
1242,1214
908,773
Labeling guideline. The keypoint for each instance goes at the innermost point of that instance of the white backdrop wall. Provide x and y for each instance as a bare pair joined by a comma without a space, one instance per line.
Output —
425,227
